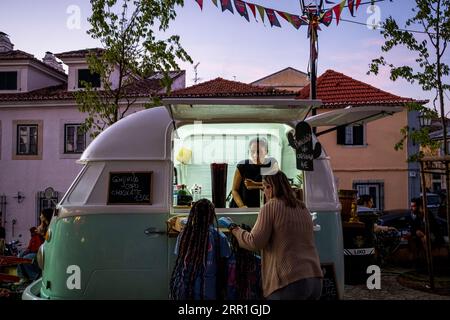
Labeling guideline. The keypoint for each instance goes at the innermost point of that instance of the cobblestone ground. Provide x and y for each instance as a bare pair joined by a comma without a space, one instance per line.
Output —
390,290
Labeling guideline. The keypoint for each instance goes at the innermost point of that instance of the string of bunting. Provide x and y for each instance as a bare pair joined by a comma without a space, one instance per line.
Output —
325,17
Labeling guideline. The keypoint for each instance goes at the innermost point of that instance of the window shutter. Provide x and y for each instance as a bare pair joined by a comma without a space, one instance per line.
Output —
340,135
358,135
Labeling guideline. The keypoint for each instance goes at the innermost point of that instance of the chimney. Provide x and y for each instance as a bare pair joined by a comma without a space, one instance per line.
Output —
50,60
5,44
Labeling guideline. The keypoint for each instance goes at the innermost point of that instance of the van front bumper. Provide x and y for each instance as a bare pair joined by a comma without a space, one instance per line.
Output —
32,292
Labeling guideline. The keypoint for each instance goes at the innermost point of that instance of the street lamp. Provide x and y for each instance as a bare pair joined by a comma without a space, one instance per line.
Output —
311,6
424,120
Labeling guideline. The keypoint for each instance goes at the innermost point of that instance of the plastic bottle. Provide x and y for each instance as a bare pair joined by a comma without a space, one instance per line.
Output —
175,195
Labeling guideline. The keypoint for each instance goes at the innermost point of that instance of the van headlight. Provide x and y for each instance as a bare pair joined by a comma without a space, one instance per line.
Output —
40,257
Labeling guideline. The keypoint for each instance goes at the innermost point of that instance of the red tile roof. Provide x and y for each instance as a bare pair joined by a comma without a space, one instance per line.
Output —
22,55
225,88
140,88
336,90
79,53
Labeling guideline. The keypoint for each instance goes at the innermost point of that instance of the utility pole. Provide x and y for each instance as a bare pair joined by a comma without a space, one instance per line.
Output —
312,10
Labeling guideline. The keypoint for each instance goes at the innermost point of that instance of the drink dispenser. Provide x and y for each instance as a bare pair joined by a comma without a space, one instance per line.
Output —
219,183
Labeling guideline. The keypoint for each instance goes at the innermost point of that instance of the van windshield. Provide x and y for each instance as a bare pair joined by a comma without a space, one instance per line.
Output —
206,158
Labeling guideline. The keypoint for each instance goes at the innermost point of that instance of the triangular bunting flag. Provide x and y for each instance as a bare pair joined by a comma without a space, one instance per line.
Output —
358,2
327,18
241,9
226,5
200,3
272,18
297,21
342,4
350,6
337,11
215,2
252,7
285,16
261,12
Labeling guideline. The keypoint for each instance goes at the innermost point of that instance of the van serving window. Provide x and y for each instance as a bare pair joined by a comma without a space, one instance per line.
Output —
199,146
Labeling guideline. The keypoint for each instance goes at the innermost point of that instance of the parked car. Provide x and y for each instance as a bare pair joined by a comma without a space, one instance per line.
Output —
400,219
433,202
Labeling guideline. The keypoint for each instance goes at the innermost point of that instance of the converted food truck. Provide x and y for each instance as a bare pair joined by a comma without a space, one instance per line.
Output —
109,237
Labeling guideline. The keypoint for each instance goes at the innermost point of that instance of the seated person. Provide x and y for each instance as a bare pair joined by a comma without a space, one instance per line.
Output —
34,244
366,201
31,271
247,181
386,238
418,235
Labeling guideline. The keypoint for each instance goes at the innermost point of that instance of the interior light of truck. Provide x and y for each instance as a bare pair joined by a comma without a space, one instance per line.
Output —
48,235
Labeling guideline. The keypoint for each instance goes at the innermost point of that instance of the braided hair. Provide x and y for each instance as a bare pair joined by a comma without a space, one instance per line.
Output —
247,269
190,264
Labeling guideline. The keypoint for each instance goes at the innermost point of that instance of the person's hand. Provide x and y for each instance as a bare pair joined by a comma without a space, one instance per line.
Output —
225,222
251,184
392,229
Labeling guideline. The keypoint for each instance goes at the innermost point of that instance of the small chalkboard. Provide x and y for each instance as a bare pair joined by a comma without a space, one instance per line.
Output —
130,187
329,284
304,146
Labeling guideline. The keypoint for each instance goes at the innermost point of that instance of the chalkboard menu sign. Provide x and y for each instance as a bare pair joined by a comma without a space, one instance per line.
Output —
130,187
329,284
303,145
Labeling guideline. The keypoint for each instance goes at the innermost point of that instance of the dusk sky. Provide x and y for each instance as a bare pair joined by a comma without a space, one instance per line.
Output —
226,45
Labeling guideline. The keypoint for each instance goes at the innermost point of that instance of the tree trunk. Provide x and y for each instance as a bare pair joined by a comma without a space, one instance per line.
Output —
443,118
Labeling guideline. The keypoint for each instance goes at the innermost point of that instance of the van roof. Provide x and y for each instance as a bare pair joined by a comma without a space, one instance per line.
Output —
143,135
139,136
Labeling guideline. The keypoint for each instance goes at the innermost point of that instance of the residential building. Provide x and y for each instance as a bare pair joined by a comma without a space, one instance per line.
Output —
362,154
287,79
40,139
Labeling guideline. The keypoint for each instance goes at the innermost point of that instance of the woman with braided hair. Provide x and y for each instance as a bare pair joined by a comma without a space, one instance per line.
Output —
199,271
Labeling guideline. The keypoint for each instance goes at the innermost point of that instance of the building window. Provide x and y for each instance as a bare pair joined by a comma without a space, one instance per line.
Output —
85,75
74,138
47,199
27,139
8,80
436,182
352,135
373,188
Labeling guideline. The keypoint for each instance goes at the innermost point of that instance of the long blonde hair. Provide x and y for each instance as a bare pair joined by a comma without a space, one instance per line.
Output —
282,189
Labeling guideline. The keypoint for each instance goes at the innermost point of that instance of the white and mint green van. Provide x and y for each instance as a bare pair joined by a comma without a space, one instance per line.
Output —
109,242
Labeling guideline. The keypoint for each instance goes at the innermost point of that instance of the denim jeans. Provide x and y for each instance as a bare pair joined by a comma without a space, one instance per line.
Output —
30,271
